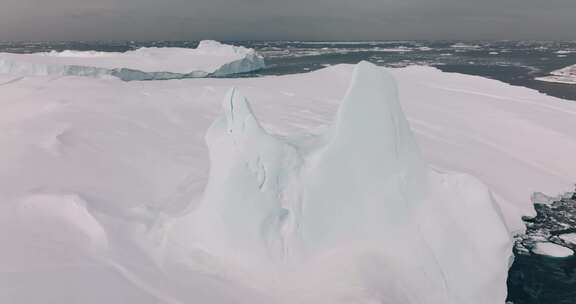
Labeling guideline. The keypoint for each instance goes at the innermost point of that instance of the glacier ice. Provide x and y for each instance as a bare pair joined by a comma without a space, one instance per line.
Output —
209,59
362,204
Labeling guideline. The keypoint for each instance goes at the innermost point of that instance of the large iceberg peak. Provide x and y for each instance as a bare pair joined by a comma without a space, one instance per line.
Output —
370,119
363,199
243,208
369,171
371,125
239,116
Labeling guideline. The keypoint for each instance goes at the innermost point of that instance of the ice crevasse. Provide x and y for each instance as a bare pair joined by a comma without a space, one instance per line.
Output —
353,215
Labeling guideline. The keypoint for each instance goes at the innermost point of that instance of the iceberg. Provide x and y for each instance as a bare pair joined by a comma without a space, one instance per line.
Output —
565,75
362,198
209,59
101,193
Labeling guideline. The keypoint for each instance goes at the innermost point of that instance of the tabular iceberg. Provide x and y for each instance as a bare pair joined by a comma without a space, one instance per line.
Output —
360,204
210,58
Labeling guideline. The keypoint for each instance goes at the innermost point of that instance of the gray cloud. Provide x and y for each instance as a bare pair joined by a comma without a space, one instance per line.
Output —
286,19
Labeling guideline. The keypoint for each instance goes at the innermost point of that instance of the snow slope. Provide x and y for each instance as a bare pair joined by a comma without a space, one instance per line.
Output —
210,58
566,75
129,159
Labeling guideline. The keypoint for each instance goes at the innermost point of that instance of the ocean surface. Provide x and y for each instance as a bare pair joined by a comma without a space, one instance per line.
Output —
513,62
532,279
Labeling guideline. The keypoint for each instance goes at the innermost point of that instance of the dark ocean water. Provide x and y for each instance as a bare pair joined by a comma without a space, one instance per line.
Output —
532,279
542,280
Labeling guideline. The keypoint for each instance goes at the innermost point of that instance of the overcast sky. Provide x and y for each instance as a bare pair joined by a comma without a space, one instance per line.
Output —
286,19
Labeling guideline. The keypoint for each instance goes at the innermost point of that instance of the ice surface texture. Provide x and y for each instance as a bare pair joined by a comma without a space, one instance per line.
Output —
210,58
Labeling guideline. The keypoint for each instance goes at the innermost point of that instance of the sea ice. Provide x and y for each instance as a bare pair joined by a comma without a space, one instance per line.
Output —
566,75
552,250
569,238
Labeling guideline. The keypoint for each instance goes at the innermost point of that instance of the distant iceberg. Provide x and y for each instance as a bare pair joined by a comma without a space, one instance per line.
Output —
210,58
566,75
461,45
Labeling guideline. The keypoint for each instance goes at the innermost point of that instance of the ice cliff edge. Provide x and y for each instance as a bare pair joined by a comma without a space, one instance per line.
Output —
359,208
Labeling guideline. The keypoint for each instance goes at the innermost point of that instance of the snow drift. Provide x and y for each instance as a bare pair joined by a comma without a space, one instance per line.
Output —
363,198
210,58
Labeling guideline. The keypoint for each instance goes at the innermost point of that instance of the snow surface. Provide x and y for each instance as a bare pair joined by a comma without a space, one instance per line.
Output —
552,250
210,58
566,75
129,159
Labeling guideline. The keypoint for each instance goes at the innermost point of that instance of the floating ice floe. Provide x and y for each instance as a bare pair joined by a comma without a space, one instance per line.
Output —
569,238
210,58
566,75
552,250
461,45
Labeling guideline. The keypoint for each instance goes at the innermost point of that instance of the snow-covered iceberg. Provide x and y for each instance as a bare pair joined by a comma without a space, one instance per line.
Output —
361,197
99,192
210,58
565,75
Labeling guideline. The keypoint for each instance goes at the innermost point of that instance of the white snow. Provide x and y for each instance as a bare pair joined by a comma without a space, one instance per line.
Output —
210,58
552,250
566,75
129,159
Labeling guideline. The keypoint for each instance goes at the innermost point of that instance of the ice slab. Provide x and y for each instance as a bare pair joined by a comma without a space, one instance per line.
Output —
210,58
552,250
565,75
